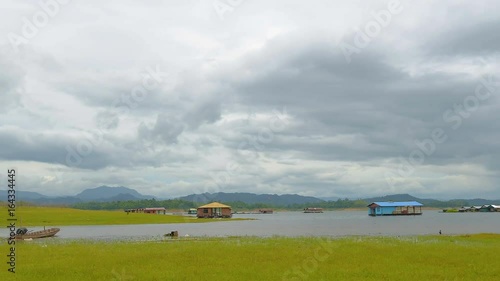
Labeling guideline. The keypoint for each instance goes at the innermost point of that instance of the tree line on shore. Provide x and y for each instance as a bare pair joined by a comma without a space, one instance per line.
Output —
177,204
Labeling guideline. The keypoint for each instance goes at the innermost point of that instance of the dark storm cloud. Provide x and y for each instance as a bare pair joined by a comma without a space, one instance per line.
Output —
19,145
92,152
166,129
186,115
319,80
205,111
377,110
187,105
470,38
15,145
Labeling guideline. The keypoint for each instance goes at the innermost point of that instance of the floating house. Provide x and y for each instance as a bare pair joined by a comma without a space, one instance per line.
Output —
313,210
475,208
405,208
483,209
464,209
494,208
158,211
214,210
490,208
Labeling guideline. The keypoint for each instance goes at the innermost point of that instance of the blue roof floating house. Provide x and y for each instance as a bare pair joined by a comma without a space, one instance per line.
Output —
405,208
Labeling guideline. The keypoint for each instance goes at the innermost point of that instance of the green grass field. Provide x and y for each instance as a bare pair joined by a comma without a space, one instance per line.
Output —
56,216
473,257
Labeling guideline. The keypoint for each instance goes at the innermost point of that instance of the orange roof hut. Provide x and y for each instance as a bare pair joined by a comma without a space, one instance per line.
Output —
214,210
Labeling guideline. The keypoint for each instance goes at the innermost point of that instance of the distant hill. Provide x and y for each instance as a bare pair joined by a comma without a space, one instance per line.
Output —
24,195
98,194
250,198
480,202
124,197
330,198
66,200
393,197
401,197
106,192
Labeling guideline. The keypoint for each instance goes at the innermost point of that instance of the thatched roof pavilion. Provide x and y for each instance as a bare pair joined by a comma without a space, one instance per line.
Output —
214,210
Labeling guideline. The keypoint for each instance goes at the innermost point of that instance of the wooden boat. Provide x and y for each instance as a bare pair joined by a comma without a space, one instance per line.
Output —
313,210
36,234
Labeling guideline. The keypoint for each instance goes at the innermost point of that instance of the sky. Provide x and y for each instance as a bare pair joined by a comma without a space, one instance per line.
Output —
317,98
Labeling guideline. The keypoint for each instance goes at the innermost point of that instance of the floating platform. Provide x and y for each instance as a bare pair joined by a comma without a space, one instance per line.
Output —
397,214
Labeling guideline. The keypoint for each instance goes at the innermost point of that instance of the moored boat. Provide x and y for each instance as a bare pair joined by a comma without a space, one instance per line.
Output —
313,210
23,233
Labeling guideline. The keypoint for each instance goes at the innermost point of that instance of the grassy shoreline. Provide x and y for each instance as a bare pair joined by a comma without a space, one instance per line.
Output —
59,216
463,257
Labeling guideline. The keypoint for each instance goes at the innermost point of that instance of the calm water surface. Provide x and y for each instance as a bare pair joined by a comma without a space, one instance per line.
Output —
334,223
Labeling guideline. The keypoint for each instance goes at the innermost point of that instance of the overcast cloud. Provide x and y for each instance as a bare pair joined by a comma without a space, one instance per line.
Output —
321,98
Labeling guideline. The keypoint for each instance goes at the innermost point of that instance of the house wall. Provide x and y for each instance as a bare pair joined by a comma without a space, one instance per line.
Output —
380,211
201,213
157,212
387,210
226,212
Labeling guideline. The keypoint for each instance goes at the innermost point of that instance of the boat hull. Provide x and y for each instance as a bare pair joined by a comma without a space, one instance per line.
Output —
38,234
313,210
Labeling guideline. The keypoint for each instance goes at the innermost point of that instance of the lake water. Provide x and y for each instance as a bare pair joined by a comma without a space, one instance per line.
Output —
334,223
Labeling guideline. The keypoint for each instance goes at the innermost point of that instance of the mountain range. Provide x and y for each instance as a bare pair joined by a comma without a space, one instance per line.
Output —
250,198
98,194
121,193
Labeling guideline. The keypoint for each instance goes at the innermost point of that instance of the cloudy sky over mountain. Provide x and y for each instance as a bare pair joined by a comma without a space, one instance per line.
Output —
320,98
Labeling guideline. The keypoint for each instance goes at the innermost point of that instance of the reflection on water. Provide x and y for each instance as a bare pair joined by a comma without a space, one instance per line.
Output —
335,223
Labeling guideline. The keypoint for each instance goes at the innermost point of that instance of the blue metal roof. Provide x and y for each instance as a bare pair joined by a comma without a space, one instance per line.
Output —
397,204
